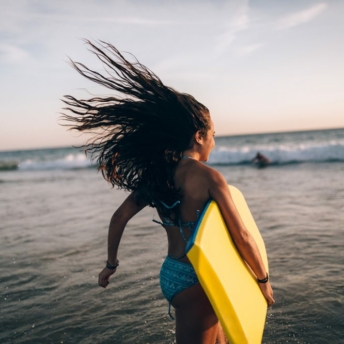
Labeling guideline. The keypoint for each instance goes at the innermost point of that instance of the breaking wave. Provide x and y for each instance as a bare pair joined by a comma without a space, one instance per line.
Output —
279,155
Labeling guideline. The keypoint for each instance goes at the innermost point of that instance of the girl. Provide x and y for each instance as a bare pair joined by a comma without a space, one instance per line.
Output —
152,141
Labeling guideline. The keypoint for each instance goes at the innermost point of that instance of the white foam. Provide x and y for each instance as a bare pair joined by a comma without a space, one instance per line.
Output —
280,154
70,161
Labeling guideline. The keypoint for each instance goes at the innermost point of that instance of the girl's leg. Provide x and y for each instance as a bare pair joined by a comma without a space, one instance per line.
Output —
196,322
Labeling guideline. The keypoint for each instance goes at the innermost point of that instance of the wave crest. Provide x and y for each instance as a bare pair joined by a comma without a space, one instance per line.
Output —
279,155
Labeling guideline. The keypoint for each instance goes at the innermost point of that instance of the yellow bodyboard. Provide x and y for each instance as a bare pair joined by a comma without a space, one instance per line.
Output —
226,279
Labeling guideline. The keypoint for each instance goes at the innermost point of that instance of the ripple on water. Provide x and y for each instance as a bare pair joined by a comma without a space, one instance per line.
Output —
55,232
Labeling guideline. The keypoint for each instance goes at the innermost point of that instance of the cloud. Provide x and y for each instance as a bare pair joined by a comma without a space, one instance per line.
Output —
250,48
301,16
172,63
130,21
12,53
239,23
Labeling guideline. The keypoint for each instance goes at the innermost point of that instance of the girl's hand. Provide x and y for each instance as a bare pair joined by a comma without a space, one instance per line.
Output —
267,292
104,277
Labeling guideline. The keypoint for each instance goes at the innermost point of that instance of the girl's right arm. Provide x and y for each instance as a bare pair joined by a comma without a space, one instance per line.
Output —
119,219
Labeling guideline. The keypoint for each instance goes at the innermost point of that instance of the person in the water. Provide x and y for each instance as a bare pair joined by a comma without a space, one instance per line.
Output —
261,160
152,140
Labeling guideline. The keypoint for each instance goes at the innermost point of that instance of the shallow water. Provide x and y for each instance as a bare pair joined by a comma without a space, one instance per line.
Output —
53,245
55,211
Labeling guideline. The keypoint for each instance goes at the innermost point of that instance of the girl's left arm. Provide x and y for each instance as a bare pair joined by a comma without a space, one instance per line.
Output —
242,238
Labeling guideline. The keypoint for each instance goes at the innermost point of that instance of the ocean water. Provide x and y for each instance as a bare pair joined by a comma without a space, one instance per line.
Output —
55,209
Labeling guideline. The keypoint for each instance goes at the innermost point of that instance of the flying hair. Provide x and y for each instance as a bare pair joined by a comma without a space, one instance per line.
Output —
139,132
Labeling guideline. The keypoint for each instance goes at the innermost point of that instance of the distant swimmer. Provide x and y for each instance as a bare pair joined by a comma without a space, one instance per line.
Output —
261,160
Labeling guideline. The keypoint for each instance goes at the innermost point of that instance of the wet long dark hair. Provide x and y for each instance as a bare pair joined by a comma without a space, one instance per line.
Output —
141,131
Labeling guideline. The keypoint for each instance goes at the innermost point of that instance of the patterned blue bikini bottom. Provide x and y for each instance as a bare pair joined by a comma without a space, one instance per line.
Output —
176,276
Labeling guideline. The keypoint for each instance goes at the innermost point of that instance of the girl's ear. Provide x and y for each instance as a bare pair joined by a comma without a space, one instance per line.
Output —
198,137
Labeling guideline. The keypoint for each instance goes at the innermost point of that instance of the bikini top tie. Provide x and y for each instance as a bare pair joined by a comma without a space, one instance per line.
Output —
168,223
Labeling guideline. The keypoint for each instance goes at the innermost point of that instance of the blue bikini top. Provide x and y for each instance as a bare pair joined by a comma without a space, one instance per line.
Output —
168,223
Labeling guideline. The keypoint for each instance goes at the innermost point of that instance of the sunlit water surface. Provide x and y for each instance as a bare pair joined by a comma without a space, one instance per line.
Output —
53,233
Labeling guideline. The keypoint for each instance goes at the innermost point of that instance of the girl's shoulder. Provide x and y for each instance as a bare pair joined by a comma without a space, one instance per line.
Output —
198,170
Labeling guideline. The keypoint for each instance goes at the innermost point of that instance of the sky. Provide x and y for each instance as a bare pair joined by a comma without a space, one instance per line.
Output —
259,66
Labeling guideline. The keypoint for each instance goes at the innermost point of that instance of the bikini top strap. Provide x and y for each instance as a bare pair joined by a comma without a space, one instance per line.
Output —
159,222
170,207
166,222
180,225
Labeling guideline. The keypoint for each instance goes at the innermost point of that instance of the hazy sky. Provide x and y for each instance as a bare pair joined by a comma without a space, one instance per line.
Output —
259,66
